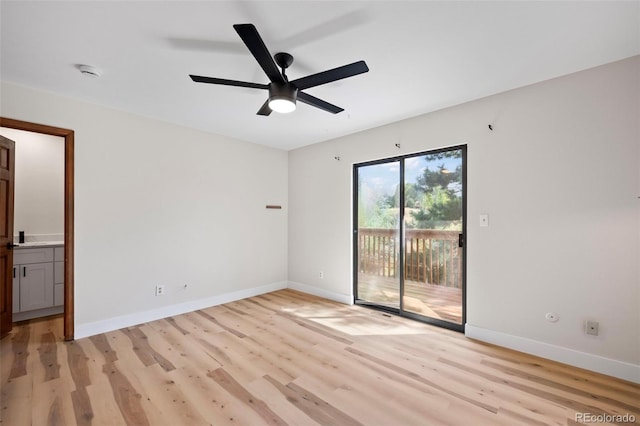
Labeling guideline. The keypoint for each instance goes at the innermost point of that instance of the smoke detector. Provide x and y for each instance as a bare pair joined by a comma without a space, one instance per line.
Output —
90,71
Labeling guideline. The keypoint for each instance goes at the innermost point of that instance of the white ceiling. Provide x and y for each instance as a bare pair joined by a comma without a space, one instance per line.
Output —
422,55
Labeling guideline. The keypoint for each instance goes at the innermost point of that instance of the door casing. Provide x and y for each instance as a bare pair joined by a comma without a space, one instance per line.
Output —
68,136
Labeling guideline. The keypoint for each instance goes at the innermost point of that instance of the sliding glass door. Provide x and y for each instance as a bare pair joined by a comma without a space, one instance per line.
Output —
378,234
409,230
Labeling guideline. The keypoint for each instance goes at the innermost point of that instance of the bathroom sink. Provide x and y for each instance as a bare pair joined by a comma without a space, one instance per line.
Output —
40,243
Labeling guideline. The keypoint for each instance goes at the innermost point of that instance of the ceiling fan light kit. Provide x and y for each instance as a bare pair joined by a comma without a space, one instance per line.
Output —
282,97
283,93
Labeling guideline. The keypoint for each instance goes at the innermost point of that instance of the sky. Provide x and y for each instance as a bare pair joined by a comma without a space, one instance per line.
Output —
385,177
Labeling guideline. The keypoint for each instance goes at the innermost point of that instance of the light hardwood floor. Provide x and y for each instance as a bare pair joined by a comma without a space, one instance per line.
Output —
287,358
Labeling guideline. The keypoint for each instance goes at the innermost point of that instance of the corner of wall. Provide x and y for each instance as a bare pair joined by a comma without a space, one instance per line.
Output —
123,321
346,299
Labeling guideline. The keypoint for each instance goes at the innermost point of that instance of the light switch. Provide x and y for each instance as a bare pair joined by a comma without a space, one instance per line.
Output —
484,220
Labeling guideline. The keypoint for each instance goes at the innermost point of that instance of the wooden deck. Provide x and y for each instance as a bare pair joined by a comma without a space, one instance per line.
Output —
434,301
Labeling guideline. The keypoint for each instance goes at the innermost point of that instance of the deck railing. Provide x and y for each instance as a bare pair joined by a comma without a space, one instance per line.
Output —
430,256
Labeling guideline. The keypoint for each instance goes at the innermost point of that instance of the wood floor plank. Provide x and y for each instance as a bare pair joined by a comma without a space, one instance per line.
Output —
82,409
280,404
207,398
163,400
518,416
102,344
52,404
123,349
289,358
314,406
20,345
453,391
185,349
104,409
78,363
194,322
154,333
76,372
144,351
226,381
246,359
430,368
174,323
48,351
553,396
611,389
205,314
353,397
573,390
352,400
125,395
16,401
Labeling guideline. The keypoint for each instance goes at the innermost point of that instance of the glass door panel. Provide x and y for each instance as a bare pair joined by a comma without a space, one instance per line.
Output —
433,222
377,242
409,255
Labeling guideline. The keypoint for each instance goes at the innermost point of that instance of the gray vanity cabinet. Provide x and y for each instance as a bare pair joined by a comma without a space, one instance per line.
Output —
37,287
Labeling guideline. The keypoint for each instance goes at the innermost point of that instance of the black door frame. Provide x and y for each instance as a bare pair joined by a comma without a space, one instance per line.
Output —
400,311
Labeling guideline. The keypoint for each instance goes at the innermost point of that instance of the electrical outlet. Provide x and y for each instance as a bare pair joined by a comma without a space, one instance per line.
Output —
159,290
321,275
591,327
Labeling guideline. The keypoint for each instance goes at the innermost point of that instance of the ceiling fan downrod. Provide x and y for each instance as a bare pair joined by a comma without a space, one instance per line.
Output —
284,61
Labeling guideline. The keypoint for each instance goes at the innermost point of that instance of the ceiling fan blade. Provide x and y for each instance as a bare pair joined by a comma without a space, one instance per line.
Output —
318,103
264,109
258,49
225,82
331,75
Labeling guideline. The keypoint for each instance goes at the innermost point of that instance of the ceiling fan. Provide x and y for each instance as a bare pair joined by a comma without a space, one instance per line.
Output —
282,92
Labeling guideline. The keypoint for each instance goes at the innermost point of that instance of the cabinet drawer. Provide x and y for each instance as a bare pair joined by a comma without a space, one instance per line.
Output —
58,272
58,254
32,255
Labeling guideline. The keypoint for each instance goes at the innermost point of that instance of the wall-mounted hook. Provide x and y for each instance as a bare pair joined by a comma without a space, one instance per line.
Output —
398,145
490,127
337,158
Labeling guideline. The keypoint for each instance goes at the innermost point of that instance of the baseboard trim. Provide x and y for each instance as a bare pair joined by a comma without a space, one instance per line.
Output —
38,313
346,299
123,321
610,367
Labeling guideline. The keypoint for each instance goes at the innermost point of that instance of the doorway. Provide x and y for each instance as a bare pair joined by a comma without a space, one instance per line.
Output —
68,136
409,236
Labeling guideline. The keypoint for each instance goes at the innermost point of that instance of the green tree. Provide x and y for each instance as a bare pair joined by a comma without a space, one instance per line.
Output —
375,209
441,203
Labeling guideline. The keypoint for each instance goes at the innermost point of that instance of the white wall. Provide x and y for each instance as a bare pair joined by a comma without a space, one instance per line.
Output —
558,177
160,204
39,184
